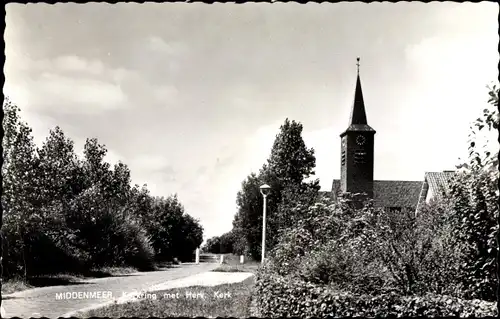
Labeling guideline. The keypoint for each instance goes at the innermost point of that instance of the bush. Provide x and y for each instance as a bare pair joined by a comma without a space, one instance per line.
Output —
320,223
343,268
39,246
278,296
474,200
106,235
140,254
12,251
368,250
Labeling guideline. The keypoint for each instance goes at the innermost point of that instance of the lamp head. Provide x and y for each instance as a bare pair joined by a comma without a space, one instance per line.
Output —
265,189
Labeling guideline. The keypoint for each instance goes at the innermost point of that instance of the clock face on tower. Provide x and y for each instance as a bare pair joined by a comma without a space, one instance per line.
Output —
360,140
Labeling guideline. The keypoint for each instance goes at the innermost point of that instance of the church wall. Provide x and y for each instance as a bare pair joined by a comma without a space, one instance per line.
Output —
360,168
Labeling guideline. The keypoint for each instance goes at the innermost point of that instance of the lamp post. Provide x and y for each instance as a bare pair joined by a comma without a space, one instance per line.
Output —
264,190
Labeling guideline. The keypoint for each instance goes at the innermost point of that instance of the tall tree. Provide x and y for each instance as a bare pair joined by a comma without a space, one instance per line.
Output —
290,160
60,177
190,237
96,169
475,198
248,219
18,178
288,166
492,120
120,184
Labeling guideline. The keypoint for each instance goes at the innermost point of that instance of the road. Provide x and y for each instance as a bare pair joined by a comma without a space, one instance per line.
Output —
42,302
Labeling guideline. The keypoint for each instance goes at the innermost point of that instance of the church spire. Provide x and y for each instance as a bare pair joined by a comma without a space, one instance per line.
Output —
358,113
357,120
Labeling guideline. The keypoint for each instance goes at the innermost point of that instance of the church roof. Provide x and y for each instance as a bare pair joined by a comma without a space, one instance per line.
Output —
391,193
358,112
357,120
439,182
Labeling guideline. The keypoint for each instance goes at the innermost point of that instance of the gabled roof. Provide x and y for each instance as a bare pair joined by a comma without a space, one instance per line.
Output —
439,182
391,193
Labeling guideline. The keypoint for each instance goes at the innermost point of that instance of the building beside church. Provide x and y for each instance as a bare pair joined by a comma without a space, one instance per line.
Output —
357,167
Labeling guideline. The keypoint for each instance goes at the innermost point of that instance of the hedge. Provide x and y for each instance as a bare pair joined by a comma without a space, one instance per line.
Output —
278,296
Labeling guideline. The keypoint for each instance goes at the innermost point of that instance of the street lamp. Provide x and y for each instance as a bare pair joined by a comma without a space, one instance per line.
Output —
264,190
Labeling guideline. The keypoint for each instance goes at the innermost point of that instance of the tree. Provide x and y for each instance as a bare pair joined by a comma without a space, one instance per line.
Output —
20,218
494,92
475,202
190,237
120,184
240,244
227,243
164,222
143,206
173,232
213,245
58,168
288,166
248,219
290,160
97,171
296,199
59,180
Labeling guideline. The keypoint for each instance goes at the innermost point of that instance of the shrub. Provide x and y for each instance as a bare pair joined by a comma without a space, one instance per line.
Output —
37,247
342,267
474,200
106,235
278,296
140,254
12,251
368,250
320,223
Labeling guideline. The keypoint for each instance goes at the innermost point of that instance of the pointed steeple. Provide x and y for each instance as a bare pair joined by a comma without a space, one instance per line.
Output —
357,120
358,112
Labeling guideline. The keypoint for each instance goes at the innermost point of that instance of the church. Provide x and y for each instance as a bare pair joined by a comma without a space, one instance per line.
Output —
357,166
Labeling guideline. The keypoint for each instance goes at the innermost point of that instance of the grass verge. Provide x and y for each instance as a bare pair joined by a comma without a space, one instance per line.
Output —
232,264
250,267
14,285
19,284
229,300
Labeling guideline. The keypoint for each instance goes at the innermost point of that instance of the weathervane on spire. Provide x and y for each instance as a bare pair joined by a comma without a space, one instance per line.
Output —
357,64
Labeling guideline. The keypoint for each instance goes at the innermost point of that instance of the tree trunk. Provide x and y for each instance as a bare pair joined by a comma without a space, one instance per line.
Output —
23,243
24,260
409,277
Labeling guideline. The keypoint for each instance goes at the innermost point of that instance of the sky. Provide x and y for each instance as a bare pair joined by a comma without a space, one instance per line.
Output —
191,96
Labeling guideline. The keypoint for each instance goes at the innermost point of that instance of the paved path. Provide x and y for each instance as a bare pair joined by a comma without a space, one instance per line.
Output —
42,302
204,279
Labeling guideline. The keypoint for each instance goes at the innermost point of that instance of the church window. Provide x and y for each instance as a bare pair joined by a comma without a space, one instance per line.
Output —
343,157
359,157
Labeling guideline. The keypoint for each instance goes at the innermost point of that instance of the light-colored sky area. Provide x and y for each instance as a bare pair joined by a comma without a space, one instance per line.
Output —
190,96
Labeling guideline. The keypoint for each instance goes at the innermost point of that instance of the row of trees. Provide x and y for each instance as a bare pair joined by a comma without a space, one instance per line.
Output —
223,244
62,213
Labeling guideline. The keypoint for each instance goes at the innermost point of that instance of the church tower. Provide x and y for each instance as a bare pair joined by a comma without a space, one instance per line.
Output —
357,150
